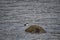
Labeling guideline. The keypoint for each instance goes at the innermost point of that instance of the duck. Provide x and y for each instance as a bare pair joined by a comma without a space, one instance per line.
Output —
34,28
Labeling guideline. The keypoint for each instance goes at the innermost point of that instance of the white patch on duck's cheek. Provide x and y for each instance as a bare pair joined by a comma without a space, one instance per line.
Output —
26,26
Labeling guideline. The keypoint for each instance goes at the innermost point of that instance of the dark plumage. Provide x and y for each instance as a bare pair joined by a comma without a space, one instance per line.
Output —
35,29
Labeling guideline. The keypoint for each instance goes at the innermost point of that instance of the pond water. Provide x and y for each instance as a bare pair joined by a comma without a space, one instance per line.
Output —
13,16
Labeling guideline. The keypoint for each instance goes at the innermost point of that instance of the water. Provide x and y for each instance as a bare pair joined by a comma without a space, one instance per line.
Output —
14,14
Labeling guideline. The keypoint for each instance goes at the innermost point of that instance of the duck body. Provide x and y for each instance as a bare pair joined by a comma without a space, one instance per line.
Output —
35,29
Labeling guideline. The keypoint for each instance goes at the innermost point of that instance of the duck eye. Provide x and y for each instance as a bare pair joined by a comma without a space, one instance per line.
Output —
24,24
